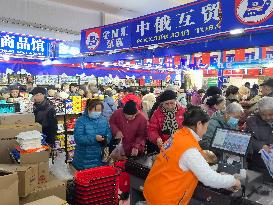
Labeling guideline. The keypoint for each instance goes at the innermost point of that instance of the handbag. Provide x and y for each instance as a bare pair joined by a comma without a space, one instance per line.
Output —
105,153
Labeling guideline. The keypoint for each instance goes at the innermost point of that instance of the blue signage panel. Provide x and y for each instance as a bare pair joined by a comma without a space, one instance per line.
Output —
191,22
11,43
108,38
247,14
181,23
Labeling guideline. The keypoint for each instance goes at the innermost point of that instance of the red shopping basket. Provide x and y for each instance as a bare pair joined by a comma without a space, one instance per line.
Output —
124,178
97,186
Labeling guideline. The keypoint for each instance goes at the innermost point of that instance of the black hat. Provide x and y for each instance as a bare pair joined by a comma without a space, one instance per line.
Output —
13,87
130,108
213,90
268,82
37,90
167,95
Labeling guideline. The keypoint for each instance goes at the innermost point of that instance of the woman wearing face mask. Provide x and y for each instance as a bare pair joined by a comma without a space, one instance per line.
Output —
90,131
214,103
180,165
227,119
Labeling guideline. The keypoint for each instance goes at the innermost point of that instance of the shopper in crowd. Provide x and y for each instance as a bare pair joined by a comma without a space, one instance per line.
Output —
45,114
182,97
29,86
232,94
23,92
82,90
5,93
180,165
130,125
14,92
214,103
73,88
244,93
254,91
65,87
166,119
91,130
129,95
108,104
212,90
148,101
197,97
247,85
227,119
51,91
261,127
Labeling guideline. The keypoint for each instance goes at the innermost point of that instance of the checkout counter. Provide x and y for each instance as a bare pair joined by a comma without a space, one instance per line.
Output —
233,146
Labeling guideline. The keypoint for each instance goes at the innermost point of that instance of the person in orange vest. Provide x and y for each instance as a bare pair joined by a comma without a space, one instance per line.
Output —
180,165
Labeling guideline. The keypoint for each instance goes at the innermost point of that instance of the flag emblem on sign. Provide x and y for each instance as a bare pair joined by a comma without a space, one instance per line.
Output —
253,12
92,38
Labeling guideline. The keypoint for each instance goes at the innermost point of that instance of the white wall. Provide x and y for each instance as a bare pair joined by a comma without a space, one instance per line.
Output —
50,14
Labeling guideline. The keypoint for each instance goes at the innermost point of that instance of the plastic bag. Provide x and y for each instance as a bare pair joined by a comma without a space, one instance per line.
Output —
60,169
268,160
118,153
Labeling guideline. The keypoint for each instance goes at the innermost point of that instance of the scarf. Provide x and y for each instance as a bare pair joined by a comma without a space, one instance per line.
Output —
170,125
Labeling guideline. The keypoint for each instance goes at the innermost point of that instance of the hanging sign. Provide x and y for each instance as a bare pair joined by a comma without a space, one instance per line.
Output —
19,44
195,21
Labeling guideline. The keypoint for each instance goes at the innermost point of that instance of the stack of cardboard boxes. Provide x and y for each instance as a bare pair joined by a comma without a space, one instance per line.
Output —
32,174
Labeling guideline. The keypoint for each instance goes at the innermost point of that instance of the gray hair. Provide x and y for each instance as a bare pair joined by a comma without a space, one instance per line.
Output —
234,108
265,103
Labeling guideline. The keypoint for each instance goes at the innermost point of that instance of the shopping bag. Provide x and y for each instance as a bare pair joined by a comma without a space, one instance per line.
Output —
118,153
268,160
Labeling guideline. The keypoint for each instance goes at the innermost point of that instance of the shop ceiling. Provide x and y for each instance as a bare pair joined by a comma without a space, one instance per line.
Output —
128,8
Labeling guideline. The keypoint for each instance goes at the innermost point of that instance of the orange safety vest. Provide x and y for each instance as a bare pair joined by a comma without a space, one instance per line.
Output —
167,183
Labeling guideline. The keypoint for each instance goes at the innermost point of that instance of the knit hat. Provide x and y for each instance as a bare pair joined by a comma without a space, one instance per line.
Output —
167,95
37,90
130,108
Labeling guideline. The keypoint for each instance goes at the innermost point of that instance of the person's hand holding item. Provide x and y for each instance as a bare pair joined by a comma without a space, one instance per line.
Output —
119,135
236,187
99,138
134,152
159,142
267,148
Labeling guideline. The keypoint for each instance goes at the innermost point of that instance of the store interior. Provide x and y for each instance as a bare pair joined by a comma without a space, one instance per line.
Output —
58,57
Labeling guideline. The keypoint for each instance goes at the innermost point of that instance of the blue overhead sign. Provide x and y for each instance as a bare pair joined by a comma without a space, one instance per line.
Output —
199,20
19,44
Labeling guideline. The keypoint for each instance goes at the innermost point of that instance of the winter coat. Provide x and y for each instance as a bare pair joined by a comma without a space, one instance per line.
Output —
132,97
262,134
88,149
134,131
217,120
156,124
45,115
108,107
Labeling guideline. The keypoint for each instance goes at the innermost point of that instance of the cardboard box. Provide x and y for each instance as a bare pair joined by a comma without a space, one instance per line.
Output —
9,188
54,187
43,172
8,141
17,119
27,175
52,200
34,158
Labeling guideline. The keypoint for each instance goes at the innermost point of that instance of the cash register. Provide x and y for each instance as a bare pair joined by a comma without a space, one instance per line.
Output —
232,146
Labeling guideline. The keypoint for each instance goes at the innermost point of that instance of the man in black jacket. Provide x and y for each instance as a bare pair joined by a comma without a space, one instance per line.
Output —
45,114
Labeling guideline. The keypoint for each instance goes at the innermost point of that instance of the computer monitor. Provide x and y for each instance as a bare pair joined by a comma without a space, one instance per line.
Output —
231,141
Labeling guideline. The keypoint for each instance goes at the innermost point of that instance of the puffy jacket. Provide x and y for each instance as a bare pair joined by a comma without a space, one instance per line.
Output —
217,120
132,97
262,134
108,107
88,149
156,123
